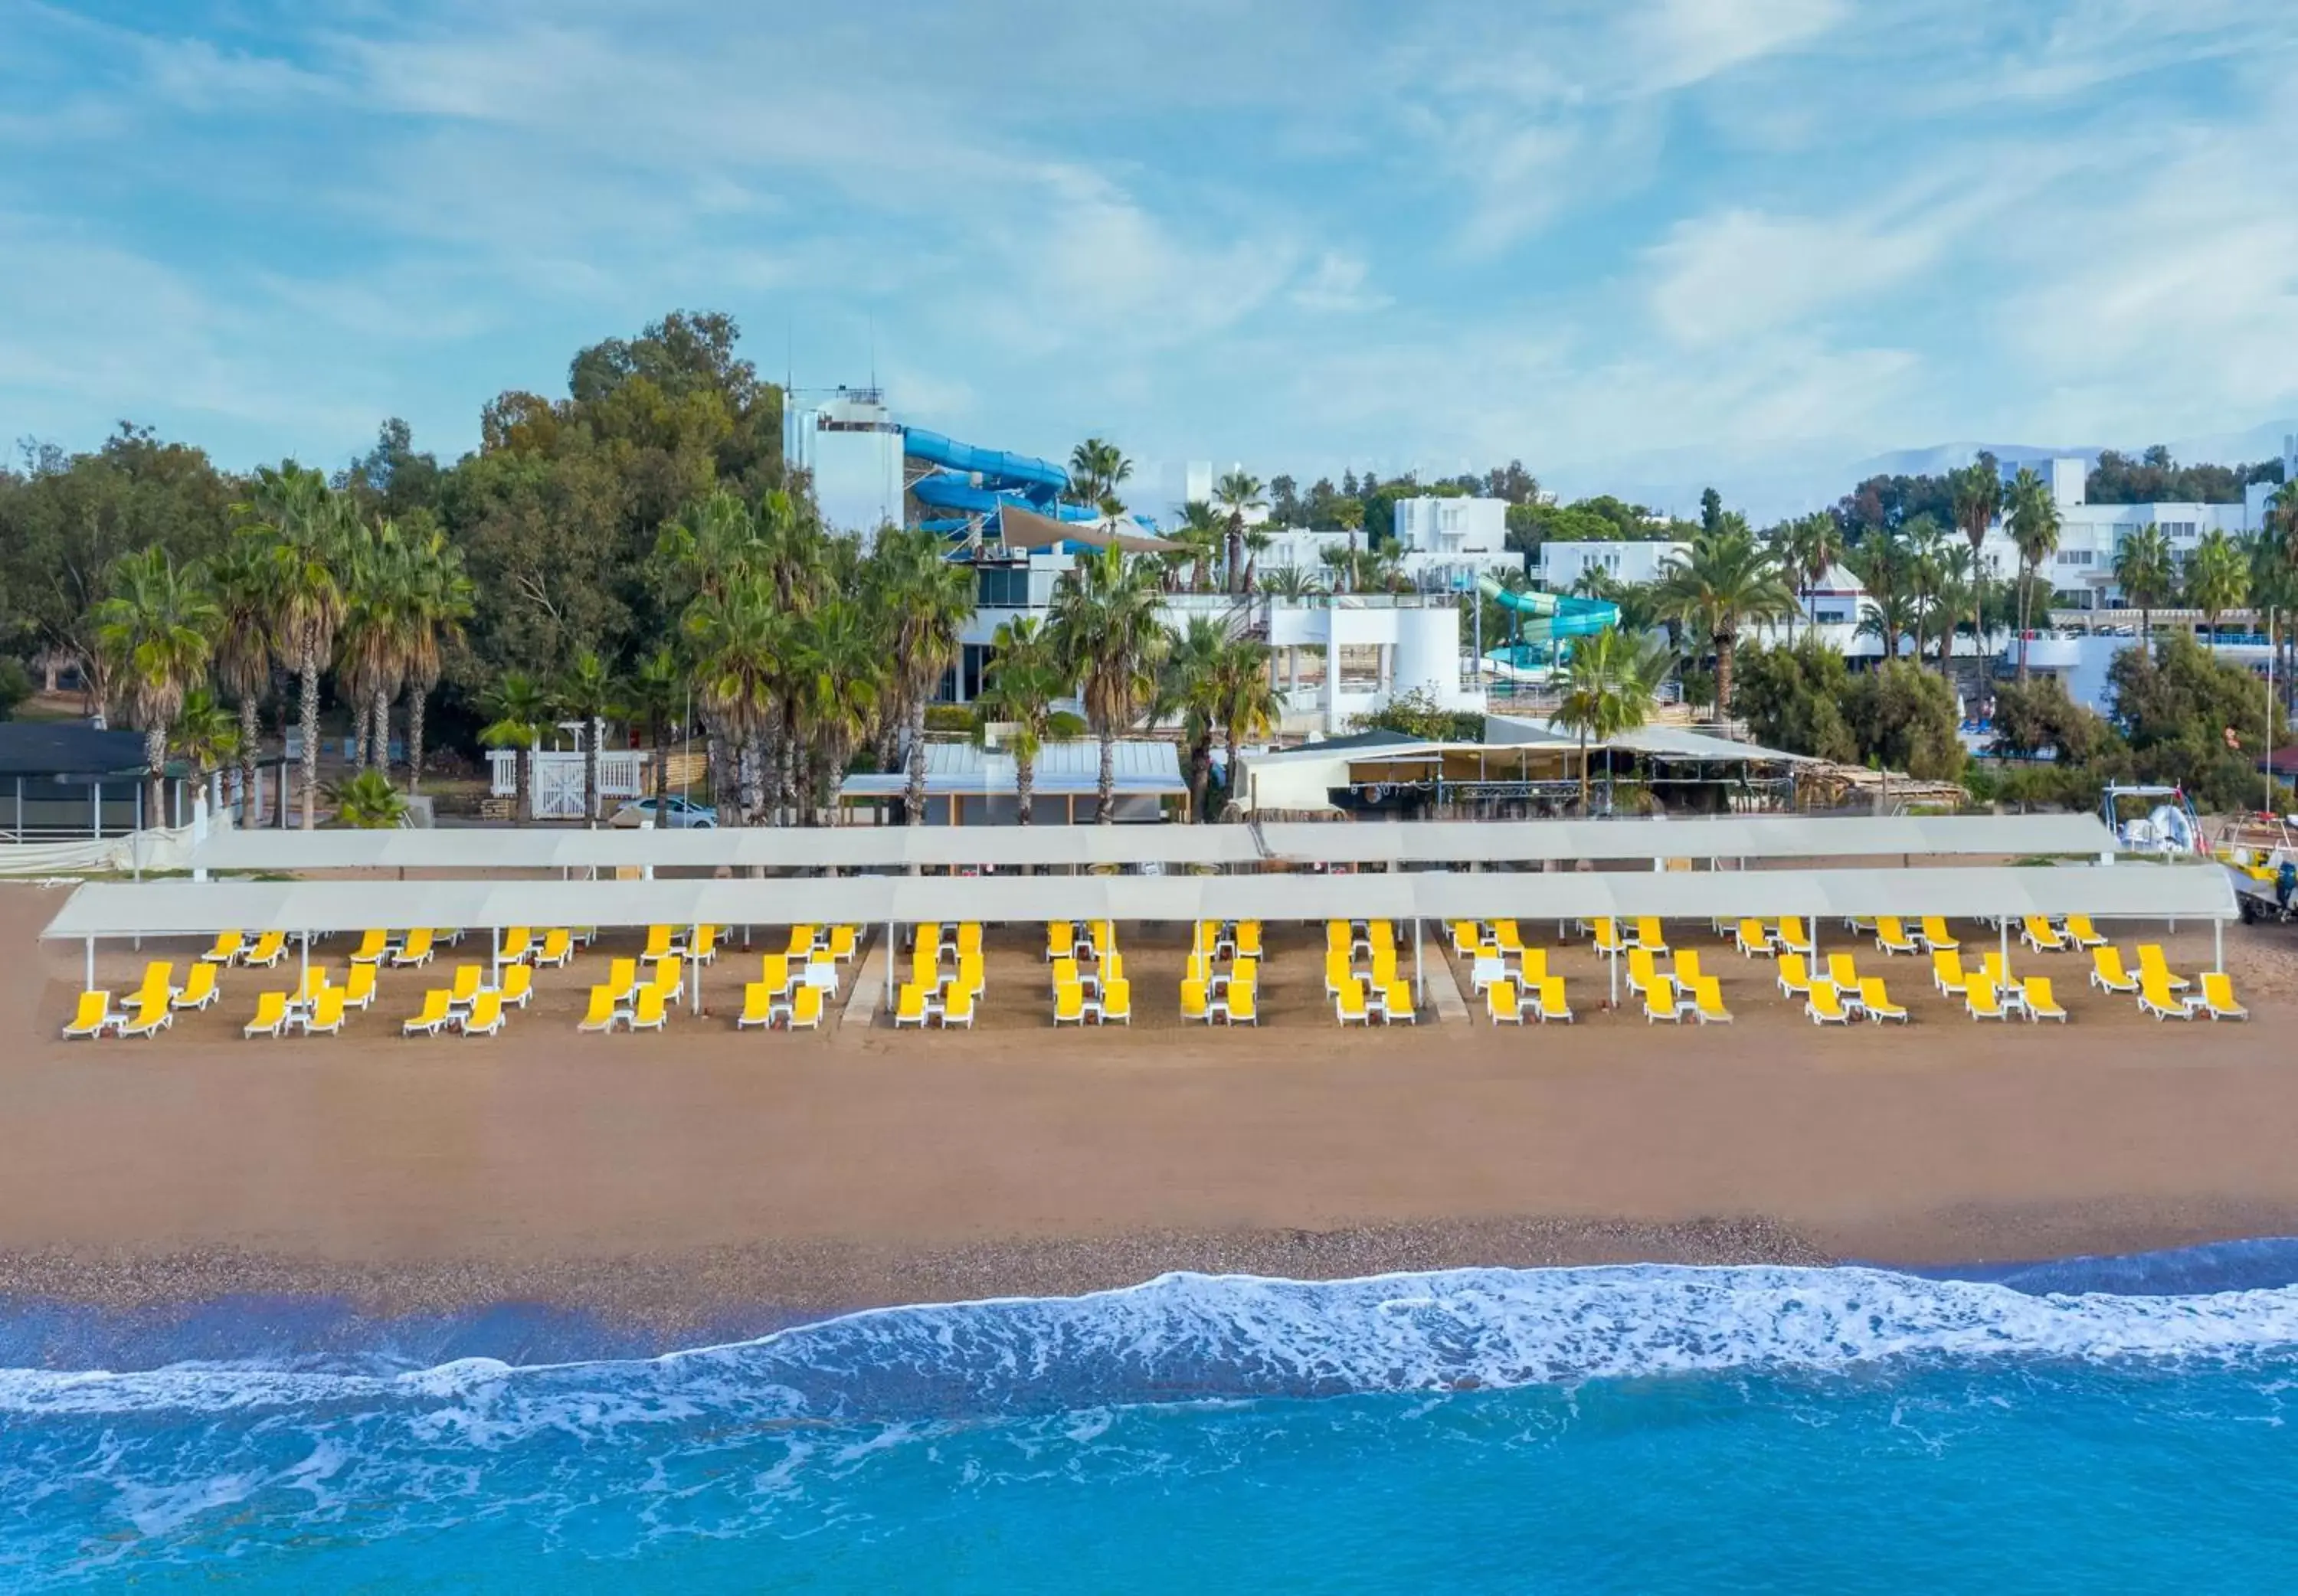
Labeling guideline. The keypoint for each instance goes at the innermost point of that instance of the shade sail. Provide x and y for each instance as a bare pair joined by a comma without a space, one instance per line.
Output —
177,908
1436,842
1019,528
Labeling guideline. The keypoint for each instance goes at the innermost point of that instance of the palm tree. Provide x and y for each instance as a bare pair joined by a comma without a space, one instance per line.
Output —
1954,588
303,524
1881,562
738,640
2218,578
2147,572
521,710
1976,500
241,578
2034,525
587,689
206,737
1200,535
155,633
1609,687
1025,678
1110,634
927,601
1728,582
1097,467
1890,615
1291,581
1257,542
1247,702
656,693
841,668
440,600
371,642
1236,494
366,801
1809,547
1927,576
1189,691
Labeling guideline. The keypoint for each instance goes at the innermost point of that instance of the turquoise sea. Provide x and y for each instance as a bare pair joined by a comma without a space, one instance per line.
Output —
2091,1426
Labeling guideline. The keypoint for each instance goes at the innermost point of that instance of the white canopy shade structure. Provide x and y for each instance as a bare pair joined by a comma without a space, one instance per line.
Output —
109,909
1403,843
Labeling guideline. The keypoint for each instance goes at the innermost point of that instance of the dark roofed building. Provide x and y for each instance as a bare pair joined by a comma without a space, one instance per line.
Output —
70,779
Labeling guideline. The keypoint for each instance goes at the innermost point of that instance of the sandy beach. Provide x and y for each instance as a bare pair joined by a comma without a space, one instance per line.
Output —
676,1177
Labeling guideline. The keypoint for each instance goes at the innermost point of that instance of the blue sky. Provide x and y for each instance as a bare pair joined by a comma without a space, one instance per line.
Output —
1596,236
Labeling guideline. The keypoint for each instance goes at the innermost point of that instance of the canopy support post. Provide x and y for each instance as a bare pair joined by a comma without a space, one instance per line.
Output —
890,946
1419,983
494,956
2217,948
91,966
2006,928
306,943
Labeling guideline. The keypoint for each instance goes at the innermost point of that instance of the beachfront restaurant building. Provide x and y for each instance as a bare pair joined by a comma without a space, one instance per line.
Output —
971,784
1524,769
62,780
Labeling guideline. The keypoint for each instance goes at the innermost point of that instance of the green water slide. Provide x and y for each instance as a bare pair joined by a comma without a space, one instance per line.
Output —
1542,620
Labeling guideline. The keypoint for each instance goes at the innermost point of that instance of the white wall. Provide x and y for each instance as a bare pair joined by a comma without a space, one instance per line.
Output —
1626,559
1452,526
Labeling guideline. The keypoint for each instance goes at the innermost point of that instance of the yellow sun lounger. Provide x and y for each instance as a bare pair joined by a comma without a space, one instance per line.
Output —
517,944
1982,1000
269,948
1752,940
1068,1003
1891,936
2079,928
1549,1001
1824,1004
1349,1007
326,1017
1501,1004
2155,997
517,984
649,1010
1396,1004
1661,1002
2217,1000
199,988
603,1012
1643,975
1792,938
434,1015
1242,1005
1708,1001
1648,934
1609,940
1936,935
2150,962
2039,934
1117,1001
1794,980
1687,970
806,1011
1195,1004
1876,1003
374,948
95,1016
2107,973
2039,1001
910,1005
228,946
270,1016
1841,970
415,953
1947,973
558,948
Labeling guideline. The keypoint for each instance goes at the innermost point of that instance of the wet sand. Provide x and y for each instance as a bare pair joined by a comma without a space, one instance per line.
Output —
672,1177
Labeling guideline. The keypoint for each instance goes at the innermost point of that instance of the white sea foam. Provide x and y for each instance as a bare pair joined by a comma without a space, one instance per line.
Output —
1193,1337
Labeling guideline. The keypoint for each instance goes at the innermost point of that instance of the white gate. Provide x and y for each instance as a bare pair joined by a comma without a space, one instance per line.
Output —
558,788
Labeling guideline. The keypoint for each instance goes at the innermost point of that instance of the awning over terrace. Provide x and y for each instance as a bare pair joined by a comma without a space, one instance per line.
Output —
1432,842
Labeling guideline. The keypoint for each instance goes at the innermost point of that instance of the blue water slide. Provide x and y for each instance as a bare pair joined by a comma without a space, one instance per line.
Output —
955,490
1024,476
1545,618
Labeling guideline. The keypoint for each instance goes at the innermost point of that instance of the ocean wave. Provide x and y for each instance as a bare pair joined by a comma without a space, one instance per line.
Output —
1192,1337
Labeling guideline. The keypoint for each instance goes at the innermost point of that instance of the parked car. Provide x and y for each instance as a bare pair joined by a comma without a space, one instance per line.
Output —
676,814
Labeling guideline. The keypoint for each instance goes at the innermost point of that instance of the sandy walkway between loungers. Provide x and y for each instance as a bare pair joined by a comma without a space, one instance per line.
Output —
860,1164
